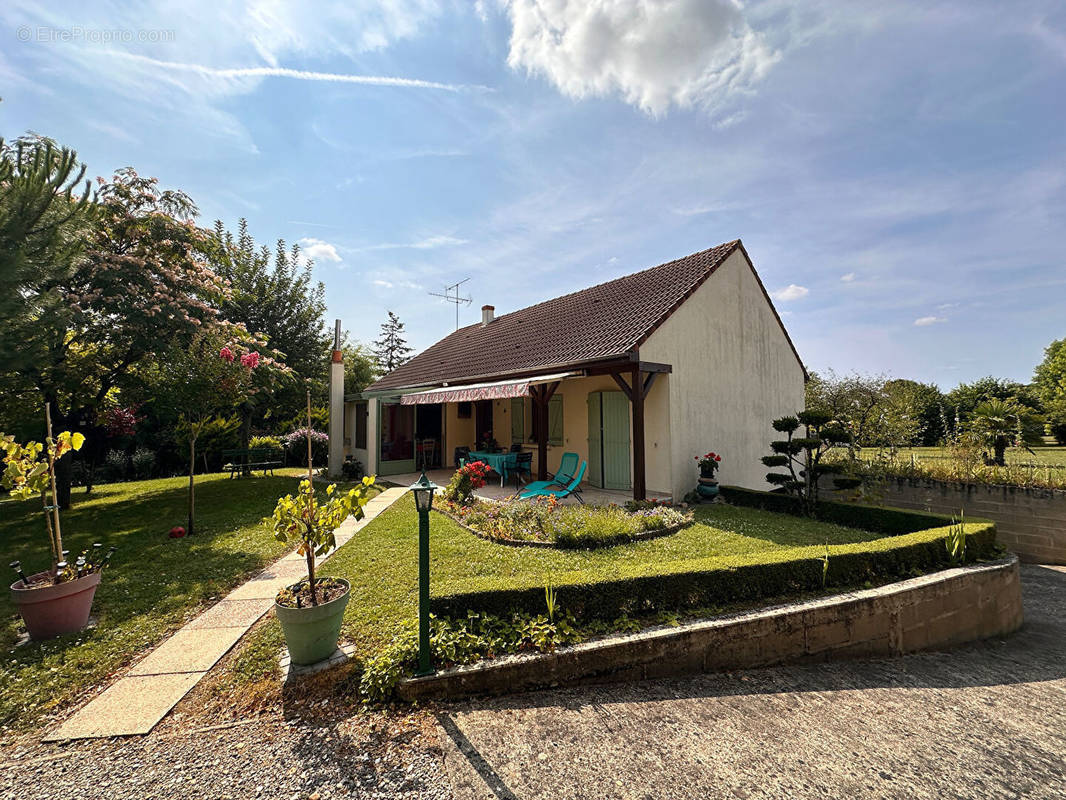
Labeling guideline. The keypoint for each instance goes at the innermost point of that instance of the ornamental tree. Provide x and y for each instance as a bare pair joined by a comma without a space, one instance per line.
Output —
274,295
803,455
1049,381
313,524
210,377
138,285
27,473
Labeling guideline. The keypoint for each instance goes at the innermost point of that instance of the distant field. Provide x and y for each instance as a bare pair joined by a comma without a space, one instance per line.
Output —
1052,456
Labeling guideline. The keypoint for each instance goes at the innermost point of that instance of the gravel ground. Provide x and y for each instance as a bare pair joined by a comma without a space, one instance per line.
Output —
366,756
987,720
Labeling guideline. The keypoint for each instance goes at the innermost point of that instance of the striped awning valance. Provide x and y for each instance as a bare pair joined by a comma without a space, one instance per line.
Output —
496,390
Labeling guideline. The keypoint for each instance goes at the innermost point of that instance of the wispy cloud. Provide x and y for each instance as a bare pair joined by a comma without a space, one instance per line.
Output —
848,277
790,292
429,243
923,322
239,73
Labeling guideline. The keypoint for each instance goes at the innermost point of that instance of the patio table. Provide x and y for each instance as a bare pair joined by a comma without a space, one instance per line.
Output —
500,462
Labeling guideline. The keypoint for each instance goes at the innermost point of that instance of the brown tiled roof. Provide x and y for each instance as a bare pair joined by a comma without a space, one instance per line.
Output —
600,322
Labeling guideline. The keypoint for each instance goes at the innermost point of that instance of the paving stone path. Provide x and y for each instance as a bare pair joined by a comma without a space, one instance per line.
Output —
137,701
987,720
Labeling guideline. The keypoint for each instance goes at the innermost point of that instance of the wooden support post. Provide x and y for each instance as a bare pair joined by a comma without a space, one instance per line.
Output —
540,413
637,397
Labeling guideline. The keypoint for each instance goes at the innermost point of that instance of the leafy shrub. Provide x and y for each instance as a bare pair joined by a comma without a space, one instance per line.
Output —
352,469
295,443
115,464
464,640
265,442
467,478
143,461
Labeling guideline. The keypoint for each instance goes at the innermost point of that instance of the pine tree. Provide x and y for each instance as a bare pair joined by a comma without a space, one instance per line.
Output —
391,350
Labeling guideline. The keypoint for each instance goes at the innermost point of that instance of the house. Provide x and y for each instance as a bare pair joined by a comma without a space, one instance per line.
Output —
637,375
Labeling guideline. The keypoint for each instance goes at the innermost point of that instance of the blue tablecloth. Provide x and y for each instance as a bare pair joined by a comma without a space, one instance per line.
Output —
500,462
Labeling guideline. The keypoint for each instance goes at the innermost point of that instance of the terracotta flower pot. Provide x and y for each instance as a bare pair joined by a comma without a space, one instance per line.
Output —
311,632
55,609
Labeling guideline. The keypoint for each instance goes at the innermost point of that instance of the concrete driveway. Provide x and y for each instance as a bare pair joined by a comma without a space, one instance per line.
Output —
983,721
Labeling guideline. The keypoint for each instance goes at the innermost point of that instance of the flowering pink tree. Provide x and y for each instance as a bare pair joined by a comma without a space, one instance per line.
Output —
211,377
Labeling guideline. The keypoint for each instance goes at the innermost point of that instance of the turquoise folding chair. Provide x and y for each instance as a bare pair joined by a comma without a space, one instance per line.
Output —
543,488
567,467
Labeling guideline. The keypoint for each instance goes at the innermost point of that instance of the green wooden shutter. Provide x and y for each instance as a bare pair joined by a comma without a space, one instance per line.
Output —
616,450
555,420
518,420
595,472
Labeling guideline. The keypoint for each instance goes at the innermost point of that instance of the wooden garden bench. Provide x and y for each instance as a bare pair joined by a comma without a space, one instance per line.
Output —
254,458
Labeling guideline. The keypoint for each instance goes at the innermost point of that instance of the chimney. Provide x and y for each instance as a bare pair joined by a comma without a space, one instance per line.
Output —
336,405
487,315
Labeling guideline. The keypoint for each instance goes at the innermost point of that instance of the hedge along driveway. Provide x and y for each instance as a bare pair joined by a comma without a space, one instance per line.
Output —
382,563
907,543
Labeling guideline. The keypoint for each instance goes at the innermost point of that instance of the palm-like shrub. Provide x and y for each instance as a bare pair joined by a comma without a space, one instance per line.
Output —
999,424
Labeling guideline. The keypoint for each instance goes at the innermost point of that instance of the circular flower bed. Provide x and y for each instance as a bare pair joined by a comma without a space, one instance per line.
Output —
543,522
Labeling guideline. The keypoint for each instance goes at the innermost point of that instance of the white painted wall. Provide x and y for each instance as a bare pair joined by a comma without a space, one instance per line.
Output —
733,372
336,418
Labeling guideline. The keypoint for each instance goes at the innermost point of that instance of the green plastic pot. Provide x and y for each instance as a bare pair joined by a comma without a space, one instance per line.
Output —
311,633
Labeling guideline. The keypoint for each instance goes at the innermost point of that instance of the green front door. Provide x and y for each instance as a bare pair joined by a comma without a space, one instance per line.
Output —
595,473
609,450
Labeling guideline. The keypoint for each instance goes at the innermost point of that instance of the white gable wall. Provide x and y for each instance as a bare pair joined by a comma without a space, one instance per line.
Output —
733,372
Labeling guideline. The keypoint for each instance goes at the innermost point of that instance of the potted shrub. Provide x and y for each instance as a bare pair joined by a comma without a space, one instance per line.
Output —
311,610
57,600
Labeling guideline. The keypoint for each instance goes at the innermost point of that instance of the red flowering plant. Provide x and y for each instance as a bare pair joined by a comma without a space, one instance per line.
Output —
467,478
709,463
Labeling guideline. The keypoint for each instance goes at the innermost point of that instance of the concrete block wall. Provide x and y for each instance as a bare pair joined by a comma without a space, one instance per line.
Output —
1029,522
942,609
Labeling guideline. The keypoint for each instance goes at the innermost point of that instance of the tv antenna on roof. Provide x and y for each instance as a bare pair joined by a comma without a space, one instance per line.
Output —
455,298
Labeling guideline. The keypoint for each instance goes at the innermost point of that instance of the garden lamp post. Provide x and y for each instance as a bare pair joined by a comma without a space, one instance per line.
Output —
423,490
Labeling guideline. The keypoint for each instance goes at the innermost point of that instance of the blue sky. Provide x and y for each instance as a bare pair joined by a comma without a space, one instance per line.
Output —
897,171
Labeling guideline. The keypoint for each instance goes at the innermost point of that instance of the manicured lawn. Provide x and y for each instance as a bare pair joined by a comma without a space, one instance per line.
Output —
381,563
1044,456
153,585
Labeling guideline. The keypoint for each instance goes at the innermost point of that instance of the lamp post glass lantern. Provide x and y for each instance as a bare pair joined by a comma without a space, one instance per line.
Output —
423,490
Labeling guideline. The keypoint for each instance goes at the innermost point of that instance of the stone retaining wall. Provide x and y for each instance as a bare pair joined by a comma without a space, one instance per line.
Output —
945,608
1030,522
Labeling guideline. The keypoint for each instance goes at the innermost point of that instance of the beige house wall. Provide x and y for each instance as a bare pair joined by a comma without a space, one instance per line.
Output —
457,432
733,372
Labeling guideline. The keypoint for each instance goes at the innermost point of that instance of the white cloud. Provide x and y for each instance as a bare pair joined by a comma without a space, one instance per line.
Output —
848,278
384,284
654,54
790,292
318,250
922,322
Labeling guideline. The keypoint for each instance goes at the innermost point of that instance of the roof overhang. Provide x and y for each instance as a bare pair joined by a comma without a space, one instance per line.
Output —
595,366
494,390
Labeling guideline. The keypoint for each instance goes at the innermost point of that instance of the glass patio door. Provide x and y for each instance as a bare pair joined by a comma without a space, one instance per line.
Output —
397,442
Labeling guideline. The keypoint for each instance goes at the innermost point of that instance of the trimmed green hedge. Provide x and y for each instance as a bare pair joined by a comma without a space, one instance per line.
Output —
915,544
879,519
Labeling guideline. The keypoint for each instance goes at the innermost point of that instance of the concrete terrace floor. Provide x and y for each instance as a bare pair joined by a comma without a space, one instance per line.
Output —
987,720
493,491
